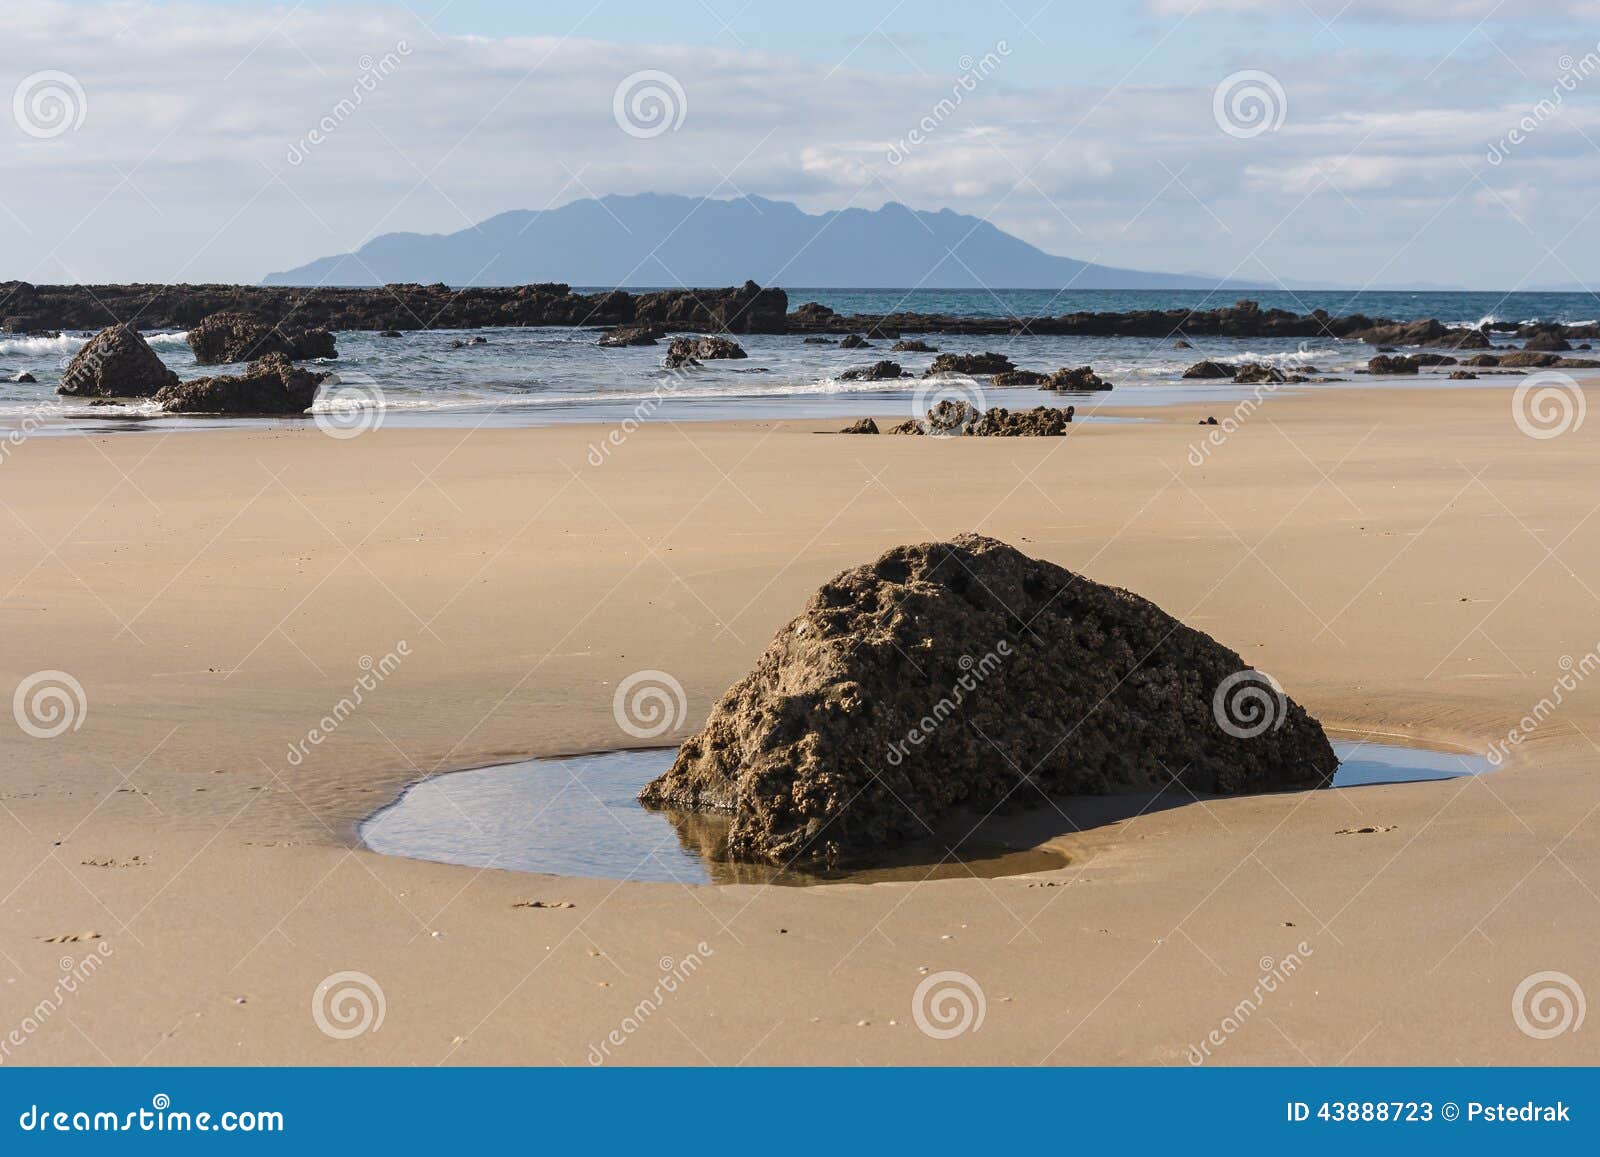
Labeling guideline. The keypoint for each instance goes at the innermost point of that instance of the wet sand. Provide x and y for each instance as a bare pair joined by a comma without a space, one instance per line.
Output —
1407,564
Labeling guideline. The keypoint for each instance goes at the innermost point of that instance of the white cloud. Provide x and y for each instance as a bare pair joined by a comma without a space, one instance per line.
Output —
182,167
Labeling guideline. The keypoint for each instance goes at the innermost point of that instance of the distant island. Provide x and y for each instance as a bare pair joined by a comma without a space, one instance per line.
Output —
654,240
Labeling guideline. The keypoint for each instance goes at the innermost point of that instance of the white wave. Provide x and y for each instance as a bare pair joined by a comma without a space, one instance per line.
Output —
66,343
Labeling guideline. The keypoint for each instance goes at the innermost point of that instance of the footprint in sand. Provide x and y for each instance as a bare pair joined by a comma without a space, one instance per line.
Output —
1364,831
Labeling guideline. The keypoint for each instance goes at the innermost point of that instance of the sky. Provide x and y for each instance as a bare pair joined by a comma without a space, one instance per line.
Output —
1361,143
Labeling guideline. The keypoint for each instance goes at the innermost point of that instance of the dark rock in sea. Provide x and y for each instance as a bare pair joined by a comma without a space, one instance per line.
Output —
864,426
116,363
23,376
1463,376
815,341
462,343
1482,360
1388,364
984,363
1019,378
1078,380
1208,369
228,337
853,341
1386,349
1547,341
1431,359
961,677
1180,344
1258,373
687,352
1426,333
389,333
1528,359
877,372
813,314
629,335
912,346
1041,421
269,385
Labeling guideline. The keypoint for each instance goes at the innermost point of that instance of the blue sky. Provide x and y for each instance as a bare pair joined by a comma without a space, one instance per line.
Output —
1096,135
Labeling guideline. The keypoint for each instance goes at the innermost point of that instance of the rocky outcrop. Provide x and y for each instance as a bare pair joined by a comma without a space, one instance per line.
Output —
23,377
912,346
1081,380
963,677
877,372
223,338
687,352
270,385
1207,370
1039,422
863,426
1528,360
1547,341
1427,333
984,363
1019,378
1390,364
1258,373
853,341
116,363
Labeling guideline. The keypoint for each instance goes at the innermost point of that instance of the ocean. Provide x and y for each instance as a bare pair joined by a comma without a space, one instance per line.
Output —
537,376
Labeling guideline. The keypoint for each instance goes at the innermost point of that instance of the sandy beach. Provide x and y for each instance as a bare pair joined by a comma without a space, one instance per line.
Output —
1406,562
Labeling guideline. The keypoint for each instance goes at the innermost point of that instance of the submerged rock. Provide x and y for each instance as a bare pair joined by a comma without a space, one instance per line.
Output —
853,341
230,336
687,352
984,363
883,371
271,385
912,345
628,335
116,363
963,676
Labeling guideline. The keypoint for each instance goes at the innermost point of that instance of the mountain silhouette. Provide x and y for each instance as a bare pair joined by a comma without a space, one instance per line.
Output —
658,240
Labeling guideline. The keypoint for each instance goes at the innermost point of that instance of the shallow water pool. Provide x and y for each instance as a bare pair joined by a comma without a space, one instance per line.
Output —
579,816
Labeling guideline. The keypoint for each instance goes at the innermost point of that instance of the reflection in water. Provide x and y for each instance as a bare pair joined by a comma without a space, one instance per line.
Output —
579,816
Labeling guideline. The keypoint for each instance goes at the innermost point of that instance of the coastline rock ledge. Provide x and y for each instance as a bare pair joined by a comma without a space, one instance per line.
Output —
961,677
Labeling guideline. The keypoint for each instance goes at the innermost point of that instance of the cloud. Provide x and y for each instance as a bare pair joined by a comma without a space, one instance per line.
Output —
224,143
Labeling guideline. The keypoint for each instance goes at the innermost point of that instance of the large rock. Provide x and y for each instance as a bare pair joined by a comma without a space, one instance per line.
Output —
1081,379
271,385
988,362
224,338
883,371
687,352
116,363
1208,369
965,675
1039,422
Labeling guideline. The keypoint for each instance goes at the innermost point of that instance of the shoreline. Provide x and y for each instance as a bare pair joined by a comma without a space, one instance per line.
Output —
214,597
